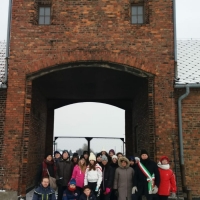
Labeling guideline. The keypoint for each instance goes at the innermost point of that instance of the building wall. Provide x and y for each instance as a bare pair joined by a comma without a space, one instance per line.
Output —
140,120
3,94
85,31
191,137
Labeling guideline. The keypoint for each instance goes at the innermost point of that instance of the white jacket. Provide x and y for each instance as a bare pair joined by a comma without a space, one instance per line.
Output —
93,175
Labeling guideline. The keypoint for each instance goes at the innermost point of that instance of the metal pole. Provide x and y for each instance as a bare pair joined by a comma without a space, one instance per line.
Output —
88,140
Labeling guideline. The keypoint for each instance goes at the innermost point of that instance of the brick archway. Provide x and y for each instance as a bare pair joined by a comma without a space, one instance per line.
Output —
41,69
126,61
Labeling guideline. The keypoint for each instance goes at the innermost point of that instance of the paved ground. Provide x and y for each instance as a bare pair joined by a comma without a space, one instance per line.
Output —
29,196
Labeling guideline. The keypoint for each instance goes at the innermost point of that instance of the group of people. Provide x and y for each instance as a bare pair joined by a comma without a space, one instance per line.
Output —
105,176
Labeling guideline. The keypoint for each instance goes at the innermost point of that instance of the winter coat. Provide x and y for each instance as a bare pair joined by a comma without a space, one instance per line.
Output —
123,180
69,195
42,193
114,165
64,172
93,175
167,180
107,177
91,197
78,175
140,180
42,171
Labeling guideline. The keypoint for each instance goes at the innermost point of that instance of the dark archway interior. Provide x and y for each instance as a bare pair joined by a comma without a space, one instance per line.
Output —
89,84
120,88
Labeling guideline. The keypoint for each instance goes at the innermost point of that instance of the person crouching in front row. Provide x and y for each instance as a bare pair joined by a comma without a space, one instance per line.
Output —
87,194
71,193
44,191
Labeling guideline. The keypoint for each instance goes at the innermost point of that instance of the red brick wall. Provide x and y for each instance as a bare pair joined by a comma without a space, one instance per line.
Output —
2,121
191,137
36,137
86,31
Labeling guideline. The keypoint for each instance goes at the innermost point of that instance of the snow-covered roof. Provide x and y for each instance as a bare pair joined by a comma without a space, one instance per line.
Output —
2,60
188,61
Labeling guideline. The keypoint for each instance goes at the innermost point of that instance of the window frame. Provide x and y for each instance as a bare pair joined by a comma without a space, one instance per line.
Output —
143,15
44,6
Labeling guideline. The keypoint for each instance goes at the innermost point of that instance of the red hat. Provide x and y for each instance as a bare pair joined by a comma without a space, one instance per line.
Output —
164,158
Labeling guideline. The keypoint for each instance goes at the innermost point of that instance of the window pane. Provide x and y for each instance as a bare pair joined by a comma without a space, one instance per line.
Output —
134,10
47,11
134,19
140,10
47,20
140,19
41,11
41,20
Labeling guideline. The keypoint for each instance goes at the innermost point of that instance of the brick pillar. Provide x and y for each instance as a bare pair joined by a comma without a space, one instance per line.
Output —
13,129
164,116
3,94
49,131
128,132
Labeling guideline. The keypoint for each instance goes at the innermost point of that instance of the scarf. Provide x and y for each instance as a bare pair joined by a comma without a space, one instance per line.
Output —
45,168
165,167
150,178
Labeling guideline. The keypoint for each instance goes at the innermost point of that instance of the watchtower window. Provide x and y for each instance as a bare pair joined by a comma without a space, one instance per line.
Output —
137,14
45,15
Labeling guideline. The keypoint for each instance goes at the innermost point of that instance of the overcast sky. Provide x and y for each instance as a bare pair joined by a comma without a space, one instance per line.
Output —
100,120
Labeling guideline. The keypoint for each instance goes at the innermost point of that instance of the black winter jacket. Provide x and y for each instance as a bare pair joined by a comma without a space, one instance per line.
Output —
108,177
140,180
91,197
42,193
64,172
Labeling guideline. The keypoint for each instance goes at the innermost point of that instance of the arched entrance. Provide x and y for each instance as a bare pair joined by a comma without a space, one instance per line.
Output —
122,86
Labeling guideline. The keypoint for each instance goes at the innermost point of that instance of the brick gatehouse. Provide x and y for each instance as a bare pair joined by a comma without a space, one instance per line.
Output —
118,52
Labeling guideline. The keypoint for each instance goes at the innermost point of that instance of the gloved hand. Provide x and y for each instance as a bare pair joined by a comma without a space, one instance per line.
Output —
173,195
96,189
137,159
155,190
107,191
134,189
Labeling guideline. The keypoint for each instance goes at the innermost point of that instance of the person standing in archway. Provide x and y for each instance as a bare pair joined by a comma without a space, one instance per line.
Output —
86,156
64,172
93,174
147,177
46,168
75,159
44,191
108,178
123,181
79,174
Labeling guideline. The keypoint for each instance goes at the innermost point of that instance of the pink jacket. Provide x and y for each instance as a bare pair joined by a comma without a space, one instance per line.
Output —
78,175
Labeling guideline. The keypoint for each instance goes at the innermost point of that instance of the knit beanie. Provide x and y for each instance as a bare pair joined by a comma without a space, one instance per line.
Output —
82,157
75,155
55,152
72,182
112,150
164,158
114,156
85,152
92,157
131,158
65,151
98,155
104,158
103,149
47,154
143,151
